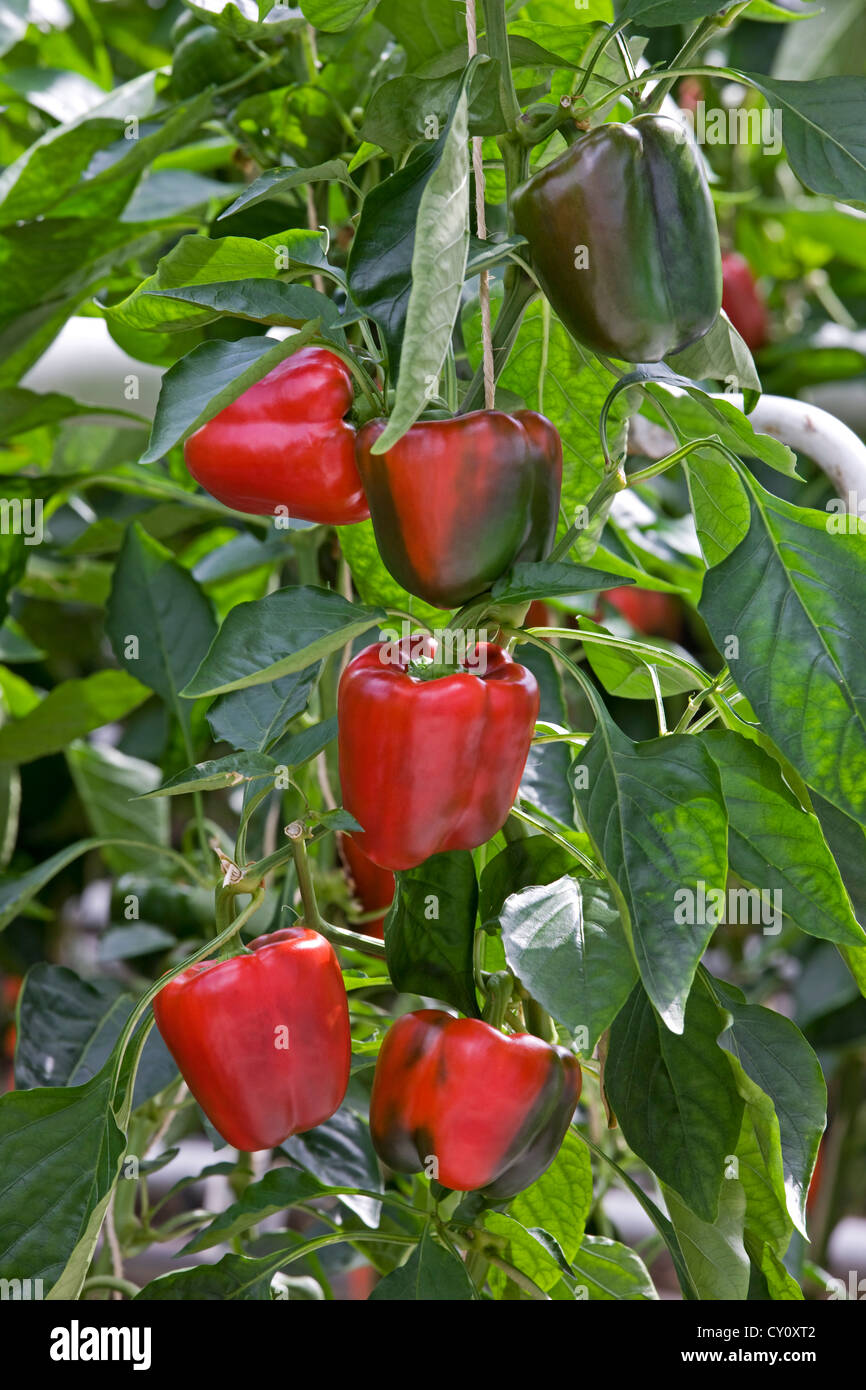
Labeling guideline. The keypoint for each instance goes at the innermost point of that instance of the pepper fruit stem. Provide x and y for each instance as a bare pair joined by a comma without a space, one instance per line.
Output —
338,936
499,989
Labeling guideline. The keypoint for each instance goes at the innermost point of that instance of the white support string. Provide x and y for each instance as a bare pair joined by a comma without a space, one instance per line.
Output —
481,220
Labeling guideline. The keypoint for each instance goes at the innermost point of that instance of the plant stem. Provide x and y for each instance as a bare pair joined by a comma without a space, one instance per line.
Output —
338,936
499,990
496,25
693,44
110,1281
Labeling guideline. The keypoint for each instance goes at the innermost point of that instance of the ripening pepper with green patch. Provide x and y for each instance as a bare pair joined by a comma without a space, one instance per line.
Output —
455,503
474,1107
623,239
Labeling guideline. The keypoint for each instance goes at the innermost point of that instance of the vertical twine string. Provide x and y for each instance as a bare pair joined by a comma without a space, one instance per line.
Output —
481,220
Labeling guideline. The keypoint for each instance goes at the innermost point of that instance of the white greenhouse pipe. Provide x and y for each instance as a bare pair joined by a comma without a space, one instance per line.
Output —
816,433
805,427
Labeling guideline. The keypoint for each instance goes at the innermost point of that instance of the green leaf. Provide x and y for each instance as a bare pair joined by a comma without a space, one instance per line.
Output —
721,355
299,748
774,1054
426,29
195,260
527,582
22,410
279,1190
60,1154
158,621
263,301
558,1202
531,860
674,1096
654,811
211,776
783,608
340,1152
696,415
402,111
285,632
333,15
209,378
439,251
760,1169
607,1269
15,893
781,1286
234,19
533,1252
713,1251
544,785
281,180
775,846
652,13
71,710
625,674
234,1278
68,1028
255,718
430,930
110,785
414,232
823,131
565,943
431,1274
720,504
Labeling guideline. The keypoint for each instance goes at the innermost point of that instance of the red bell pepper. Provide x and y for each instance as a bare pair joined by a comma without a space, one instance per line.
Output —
742,301
490,1109
284,443
262,1040
428,765
374,887
455,503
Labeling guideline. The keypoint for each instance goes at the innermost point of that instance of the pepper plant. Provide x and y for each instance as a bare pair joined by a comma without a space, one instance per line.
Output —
405,620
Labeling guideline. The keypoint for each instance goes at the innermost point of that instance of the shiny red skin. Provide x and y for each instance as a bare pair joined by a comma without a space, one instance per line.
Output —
222,1022
431,765
284,443
455,503
742,302
491,1109
373,887
650,612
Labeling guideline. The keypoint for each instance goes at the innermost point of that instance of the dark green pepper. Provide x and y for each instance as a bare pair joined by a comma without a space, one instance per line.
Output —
623,238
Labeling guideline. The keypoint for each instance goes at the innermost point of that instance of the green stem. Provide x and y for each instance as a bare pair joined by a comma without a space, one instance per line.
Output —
496,26
520,290
499,989
693,44
338,936
539,1022
604,39
560,840
110,1281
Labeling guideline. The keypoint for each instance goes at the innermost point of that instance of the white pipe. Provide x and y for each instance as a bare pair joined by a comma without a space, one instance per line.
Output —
804,427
